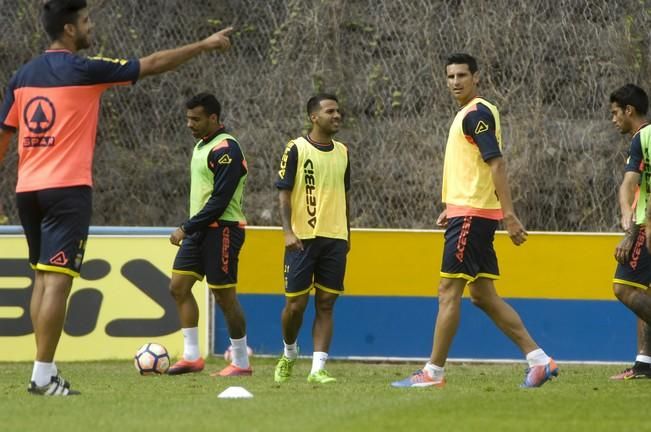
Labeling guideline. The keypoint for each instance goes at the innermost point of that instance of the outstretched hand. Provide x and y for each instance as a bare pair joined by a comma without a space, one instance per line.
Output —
219,41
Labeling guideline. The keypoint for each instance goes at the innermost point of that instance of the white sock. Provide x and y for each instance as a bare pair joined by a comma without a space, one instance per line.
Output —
318,361
191,343
643,359
291,350
434,371
55,371
239,353
42,373
537,357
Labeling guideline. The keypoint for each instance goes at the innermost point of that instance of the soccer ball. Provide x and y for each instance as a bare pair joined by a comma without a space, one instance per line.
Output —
228,354
152,359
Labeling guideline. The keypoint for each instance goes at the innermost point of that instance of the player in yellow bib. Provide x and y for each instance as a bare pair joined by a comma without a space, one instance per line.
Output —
313,181
477,195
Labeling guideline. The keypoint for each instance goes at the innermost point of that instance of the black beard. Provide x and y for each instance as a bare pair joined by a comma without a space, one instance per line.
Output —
82,43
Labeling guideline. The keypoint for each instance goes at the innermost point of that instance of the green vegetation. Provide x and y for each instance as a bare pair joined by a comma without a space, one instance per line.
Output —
549,66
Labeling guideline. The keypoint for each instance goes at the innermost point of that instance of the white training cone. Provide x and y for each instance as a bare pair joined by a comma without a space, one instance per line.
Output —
235,393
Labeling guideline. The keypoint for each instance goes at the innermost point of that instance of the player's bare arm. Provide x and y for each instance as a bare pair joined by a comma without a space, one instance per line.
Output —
163,61
626,198
512,224
648,224
291,241
5,137
348,219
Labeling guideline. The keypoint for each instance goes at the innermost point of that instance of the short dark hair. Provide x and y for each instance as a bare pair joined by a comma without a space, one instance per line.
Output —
57,13
208,101
315,101
462,58
632,95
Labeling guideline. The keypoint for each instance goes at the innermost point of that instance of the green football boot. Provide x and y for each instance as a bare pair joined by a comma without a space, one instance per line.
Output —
320,377
284,369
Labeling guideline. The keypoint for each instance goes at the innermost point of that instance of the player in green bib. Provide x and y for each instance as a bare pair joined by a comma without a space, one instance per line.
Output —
210,241
629,105
313,181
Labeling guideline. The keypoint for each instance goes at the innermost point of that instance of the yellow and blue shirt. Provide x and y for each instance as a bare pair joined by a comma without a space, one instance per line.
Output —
474,139
318,176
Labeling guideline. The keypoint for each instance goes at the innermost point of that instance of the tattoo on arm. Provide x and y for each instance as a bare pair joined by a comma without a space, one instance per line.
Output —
633,232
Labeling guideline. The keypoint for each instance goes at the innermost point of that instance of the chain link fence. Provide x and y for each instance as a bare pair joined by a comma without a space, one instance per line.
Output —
549,67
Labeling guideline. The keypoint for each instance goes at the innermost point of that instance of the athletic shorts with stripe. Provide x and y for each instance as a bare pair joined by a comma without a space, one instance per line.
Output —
213,253
322,262
468,252
56,223
637,271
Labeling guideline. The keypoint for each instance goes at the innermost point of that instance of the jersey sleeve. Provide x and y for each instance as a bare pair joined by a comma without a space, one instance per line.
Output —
8,109
102,70
227,165
288,164
479,129
635,161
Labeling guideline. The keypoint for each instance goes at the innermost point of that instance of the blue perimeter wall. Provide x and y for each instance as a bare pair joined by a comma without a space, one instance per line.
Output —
399,327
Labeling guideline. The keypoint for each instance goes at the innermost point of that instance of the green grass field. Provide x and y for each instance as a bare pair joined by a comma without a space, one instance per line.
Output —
478,397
